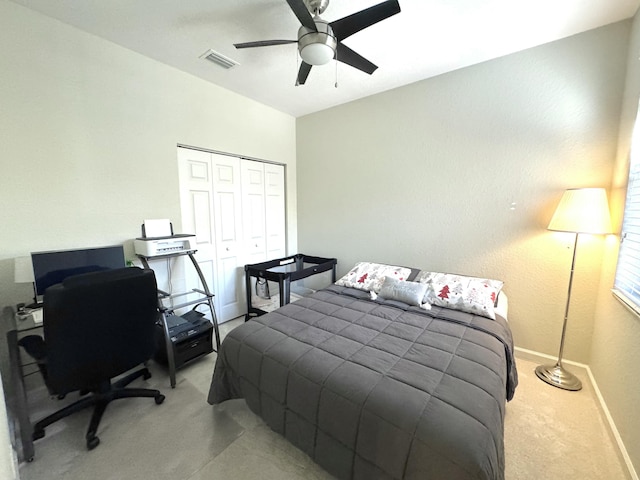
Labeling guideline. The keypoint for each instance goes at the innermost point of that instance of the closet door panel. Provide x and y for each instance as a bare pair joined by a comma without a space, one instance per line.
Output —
275,211
196,203
228,236
253,211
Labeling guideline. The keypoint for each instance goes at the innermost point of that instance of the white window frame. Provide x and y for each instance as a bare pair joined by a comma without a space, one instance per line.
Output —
626,286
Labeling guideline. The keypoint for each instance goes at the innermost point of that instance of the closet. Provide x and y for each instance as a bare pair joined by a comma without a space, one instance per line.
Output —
236,209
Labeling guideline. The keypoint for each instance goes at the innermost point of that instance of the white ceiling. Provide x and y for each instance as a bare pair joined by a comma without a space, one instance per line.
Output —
428,38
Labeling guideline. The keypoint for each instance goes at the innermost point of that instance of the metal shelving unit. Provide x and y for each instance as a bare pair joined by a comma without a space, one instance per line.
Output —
206,296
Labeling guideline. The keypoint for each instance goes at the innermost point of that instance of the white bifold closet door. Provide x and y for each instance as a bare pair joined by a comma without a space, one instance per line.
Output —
196,200
275,211
253,211
236,208
263,210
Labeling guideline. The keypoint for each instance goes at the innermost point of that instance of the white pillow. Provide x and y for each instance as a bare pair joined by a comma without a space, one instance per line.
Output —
467,294
427,277
410,293
370,276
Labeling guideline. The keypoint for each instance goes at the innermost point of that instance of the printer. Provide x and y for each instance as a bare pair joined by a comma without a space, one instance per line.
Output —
191,338
157,246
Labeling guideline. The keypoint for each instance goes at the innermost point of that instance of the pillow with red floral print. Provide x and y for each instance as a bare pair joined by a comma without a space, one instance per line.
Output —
370,276
467,294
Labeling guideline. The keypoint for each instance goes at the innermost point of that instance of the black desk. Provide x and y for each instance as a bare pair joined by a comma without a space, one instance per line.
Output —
21,325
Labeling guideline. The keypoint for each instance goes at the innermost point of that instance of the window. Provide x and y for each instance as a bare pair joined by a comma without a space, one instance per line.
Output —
627,282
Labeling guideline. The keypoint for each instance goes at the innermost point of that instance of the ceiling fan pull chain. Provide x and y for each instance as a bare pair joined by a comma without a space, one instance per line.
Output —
336,85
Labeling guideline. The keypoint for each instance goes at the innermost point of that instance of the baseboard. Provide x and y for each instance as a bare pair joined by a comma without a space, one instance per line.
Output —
612,426
543,358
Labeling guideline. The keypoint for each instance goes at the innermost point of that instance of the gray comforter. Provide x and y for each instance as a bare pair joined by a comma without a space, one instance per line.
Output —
376,389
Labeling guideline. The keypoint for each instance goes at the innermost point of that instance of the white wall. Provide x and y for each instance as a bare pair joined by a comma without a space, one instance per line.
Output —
425,176
89,132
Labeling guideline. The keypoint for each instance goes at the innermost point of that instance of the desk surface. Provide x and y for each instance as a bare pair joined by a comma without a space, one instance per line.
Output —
31,318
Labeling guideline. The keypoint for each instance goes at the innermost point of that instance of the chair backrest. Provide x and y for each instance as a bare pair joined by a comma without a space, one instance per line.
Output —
97,326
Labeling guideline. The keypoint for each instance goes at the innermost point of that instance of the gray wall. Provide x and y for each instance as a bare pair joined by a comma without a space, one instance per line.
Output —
426,176
615,356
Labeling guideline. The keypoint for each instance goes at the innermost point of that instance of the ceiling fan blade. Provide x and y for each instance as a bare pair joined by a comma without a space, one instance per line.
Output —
263,43
345,55
347,26
303,73
301,11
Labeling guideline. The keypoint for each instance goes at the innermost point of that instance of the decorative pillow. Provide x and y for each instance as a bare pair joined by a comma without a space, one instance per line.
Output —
410,293
467,294
428,277
370,276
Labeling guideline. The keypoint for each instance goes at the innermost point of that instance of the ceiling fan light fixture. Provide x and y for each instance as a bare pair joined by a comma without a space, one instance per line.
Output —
317,47
317,53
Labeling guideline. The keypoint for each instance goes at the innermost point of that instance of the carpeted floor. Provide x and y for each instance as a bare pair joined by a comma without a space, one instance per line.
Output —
552,433
549,434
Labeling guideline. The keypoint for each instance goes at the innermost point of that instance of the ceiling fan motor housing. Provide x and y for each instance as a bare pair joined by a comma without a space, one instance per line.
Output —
319,47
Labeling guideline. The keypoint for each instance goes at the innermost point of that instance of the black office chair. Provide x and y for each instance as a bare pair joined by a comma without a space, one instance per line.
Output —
96,326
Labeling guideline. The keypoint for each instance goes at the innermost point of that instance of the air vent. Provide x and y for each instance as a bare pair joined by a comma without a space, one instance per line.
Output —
219,59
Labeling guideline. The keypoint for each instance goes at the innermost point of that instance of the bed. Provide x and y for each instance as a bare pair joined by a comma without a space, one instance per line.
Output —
378,386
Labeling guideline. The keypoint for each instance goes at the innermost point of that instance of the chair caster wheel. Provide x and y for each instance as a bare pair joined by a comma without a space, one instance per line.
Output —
37,434
146,375
92,443
159,399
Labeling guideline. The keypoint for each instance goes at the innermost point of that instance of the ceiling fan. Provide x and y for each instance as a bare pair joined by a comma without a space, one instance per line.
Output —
320,41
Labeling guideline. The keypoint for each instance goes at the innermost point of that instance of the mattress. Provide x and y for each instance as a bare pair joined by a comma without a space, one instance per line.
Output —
376,389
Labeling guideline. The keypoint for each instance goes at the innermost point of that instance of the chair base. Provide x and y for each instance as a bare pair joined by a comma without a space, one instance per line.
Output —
100,399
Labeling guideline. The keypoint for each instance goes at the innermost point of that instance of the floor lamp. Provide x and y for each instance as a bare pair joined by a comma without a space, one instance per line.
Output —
581,210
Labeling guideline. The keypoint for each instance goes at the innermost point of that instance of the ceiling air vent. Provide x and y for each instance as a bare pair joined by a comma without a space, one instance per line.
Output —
219,59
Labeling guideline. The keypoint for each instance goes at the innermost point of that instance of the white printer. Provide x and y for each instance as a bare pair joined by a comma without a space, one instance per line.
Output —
156,246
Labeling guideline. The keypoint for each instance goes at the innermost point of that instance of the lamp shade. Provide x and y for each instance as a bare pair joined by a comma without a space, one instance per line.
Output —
23,270
582,210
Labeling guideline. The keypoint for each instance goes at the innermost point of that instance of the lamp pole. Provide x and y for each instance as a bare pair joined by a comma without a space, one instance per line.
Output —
556,375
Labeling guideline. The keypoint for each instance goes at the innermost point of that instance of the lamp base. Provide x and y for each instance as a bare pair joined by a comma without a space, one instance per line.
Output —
558,377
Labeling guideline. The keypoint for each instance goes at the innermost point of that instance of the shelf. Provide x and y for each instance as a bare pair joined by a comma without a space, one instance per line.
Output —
206,297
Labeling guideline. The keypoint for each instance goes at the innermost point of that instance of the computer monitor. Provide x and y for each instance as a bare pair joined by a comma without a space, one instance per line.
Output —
50,268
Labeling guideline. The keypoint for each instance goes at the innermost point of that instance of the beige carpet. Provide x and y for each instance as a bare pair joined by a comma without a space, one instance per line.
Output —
549,434
552,433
